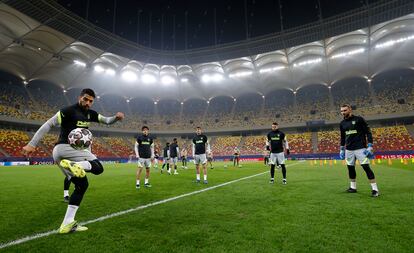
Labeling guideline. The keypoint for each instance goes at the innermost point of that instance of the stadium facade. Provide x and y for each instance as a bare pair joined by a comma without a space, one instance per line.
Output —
41,42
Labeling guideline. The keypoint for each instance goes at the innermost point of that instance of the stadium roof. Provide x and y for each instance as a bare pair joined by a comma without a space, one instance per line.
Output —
40,40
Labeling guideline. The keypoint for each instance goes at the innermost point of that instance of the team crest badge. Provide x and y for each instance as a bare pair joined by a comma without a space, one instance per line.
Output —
353,122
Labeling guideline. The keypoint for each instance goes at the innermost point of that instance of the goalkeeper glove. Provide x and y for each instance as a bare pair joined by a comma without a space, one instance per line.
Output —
342,153
369,151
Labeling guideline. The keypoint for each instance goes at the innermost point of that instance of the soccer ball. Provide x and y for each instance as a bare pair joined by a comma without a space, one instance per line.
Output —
80,138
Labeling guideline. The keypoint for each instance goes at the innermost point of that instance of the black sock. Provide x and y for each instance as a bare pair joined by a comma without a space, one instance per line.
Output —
81,185
168,166
163,165
66,184
272,171
283,171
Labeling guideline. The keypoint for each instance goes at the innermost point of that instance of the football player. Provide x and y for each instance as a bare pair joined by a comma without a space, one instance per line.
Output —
73,162
356,143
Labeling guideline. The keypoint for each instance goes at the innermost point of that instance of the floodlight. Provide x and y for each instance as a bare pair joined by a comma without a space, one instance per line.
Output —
148,78
129,76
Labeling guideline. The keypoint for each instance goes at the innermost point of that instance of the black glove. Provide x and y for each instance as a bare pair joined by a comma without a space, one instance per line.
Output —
287,152
268,148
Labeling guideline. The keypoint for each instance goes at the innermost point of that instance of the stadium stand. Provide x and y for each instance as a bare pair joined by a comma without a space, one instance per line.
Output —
100,149
394,138
119,146
222,146
12,142
328,141
300,143
253,145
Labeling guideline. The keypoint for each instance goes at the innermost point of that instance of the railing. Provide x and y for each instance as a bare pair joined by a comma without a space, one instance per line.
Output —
50,13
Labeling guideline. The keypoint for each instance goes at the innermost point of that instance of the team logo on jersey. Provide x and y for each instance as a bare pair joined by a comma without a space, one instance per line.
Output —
89,116
82,123
353,122
146,143
200,141
351,132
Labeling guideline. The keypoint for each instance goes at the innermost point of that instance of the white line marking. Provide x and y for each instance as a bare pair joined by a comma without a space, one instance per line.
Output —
45,234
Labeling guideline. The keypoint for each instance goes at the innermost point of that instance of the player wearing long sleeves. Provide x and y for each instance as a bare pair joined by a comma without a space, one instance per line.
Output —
276,143
144,151
200,148
356,143
73,162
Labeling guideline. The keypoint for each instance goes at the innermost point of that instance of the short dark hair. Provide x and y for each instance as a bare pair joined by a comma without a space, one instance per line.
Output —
346,105
175,139
275,123
198,127
167,143
88,91
144,127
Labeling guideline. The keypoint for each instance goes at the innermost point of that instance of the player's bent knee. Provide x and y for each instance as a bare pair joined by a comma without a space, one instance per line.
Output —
97,167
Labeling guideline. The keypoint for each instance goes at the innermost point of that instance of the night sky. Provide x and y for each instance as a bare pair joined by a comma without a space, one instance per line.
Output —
186,24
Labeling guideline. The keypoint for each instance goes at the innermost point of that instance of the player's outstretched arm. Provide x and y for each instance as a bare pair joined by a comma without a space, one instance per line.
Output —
110,120
44,129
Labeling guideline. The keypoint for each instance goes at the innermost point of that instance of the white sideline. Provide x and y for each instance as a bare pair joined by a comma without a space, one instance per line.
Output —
45,234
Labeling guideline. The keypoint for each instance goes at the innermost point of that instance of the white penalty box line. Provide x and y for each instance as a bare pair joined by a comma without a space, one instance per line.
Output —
112,215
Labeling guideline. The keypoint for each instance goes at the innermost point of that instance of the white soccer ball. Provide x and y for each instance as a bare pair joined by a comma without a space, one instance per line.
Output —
80,138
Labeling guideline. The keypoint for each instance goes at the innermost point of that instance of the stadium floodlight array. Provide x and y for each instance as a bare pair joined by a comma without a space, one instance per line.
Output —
241,74
167,80
349,53
390,43
308,62
80,63
110,72
184,80
215,78
98,69
129,76
267,70
148,78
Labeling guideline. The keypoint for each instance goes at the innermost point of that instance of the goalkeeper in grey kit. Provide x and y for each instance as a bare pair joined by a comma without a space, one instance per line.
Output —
74,162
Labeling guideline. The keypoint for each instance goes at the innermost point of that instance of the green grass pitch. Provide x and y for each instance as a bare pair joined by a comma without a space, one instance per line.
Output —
312,213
